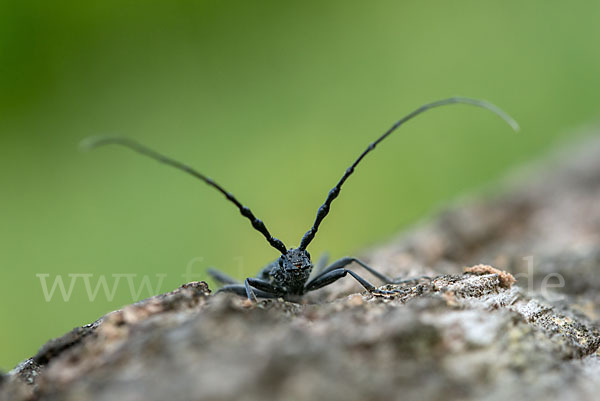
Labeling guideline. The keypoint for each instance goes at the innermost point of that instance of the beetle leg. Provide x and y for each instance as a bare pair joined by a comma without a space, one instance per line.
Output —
240,289
321,264
347,260
221,277
329,277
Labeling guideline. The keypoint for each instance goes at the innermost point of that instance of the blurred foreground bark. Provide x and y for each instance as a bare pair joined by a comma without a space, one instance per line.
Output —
467,334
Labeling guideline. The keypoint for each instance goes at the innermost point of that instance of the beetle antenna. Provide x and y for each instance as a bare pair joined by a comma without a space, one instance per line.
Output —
91,143
324,209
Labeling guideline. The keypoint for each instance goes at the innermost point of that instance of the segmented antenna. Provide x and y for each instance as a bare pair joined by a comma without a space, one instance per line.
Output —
324,209
258,225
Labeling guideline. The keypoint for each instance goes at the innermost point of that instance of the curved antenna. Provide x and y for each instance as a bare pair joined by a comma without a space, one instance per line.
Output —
91,143
324,209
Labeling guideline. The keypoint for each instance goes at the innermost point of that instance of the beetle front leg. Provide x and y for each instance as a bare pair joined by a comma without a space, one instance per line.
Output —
334,275
241,290
347,260
386,279
259,284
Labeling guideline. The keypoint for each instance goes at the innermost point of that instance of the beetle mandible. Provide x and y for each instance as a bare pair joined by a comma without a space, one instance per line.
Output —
289,276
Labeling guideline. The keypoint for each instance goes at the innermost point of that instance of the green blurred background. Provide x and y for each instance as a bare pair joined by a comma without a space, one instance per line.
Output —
273,99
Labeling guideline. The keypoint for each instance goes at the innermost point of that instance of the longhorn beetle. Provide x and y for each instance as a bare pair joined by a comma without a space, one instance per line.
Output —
288,276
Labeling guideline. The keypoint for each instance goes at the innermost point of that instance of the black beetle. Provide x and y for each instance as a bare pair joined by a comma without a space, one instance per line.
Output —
288,277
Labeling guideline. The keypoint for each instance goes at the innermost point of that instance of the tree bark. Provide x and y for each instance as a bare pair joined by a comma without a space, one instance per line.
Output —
467,334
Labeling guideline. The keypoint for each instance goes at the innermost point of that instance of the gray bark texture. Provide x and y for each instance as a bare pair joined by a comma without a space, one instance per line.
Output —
470,333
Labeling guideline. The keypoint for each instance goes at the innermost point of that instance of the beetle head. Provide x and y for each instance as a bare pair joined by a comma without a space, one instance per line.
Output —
296,260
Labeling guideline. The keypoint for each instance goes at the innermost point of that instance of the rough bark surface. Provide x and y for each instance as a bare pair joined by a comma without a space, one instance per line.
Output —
467,334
